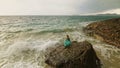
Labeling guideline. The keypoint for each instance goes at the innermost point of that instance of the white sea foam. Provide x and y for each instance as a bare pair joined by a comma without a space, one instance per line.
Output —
23,46
15,56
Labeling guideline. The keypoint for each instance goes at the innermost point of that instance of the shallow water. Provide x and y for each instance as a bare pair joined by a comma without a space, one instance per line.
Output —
24,39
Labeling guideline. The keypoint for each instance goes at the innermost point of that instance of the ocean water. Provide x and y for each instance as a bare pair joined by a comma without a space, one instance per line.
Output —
24,39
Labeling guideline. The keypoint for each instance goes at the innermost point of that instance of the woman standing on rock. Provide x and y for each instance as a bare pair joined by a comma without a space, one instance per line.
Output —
67,42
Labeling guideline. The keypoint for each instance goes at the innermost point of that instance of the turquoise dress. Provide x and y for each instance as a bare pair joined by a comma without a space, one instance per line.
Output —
67,43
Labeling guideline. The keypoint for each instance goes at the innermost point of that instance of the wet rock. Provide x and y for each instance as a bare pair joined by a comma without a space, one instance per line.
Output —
78,55
107,31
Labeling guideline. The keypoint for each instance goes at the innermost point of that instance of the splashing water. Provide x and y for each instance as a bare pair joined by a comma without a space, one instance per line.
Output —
24,39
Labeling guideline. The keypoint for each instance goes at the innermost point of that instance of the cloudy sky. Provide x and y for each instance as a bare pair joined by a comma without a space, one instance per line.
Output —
58,7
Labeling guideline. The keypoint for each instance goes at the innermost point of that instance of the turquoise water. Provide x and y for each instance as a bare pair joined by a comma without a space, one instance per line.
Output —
24,39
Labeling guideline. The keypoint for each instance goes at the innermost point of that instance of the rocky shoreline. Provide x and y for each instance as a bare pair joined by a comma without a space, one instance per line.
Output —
78,55
107,31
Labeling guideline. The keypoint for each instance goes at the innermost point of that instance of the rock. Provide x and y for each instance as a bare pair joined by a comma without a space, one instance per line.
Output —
107,31
78,55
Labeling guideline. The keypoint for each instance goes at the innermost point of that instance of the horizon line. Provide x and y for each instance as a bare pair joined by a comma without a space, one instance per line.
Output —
62,15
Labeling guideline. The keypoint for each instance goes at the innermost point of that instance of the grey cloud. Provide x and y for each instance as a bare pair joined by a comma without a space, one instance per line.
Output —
56,7
94,6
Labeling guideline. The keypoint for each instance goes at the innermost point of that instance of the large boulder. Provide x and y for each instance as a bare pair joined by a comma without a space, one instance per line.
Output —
78,55
107,31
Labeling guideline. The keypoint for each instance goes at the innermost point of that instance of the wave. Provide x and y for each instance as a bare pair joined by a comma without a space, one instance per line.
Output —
18,31
33,31
39,31
27,53
56,31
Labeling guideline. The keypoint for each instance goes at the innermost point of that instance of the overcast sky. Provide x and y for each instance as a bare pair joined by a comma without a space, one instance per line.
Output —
58,7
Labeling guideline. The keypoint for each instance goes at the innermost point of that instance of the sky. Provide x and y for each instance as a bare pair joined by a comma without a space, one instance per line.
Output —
58,7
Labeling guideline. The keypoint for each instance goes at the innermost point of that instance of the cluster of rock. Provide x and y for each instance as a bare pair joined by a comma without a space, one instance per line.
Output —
78,55
107,31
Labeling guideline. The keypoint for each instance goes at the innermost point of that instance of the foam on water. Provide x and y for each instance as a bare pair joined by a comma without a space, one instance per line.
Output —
24,40
25,54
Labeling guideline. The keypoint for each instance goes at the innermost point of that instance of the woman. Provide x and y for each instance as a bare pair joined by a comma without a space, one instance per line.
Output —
67,42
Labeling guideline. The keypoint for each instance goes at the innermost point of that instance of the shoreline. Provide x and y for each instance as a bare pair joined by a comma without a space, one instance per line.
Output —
107,31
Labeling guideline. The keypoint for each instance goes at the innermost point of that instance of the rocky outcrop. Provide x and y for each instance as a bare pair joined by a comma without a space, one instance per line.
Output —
108,31
78,55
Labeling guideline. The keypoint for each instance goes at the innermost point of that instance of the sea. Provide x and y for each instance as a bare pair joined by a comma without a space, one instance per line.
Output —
24,40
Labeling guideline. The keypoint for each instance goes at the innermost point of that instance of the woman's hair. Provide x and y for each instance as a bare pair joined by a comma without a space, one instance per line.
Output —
68,38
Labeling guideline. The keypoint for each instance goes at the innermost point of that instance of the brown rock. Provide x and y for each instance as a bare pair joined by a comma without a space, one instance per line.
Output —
108,31
78,55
